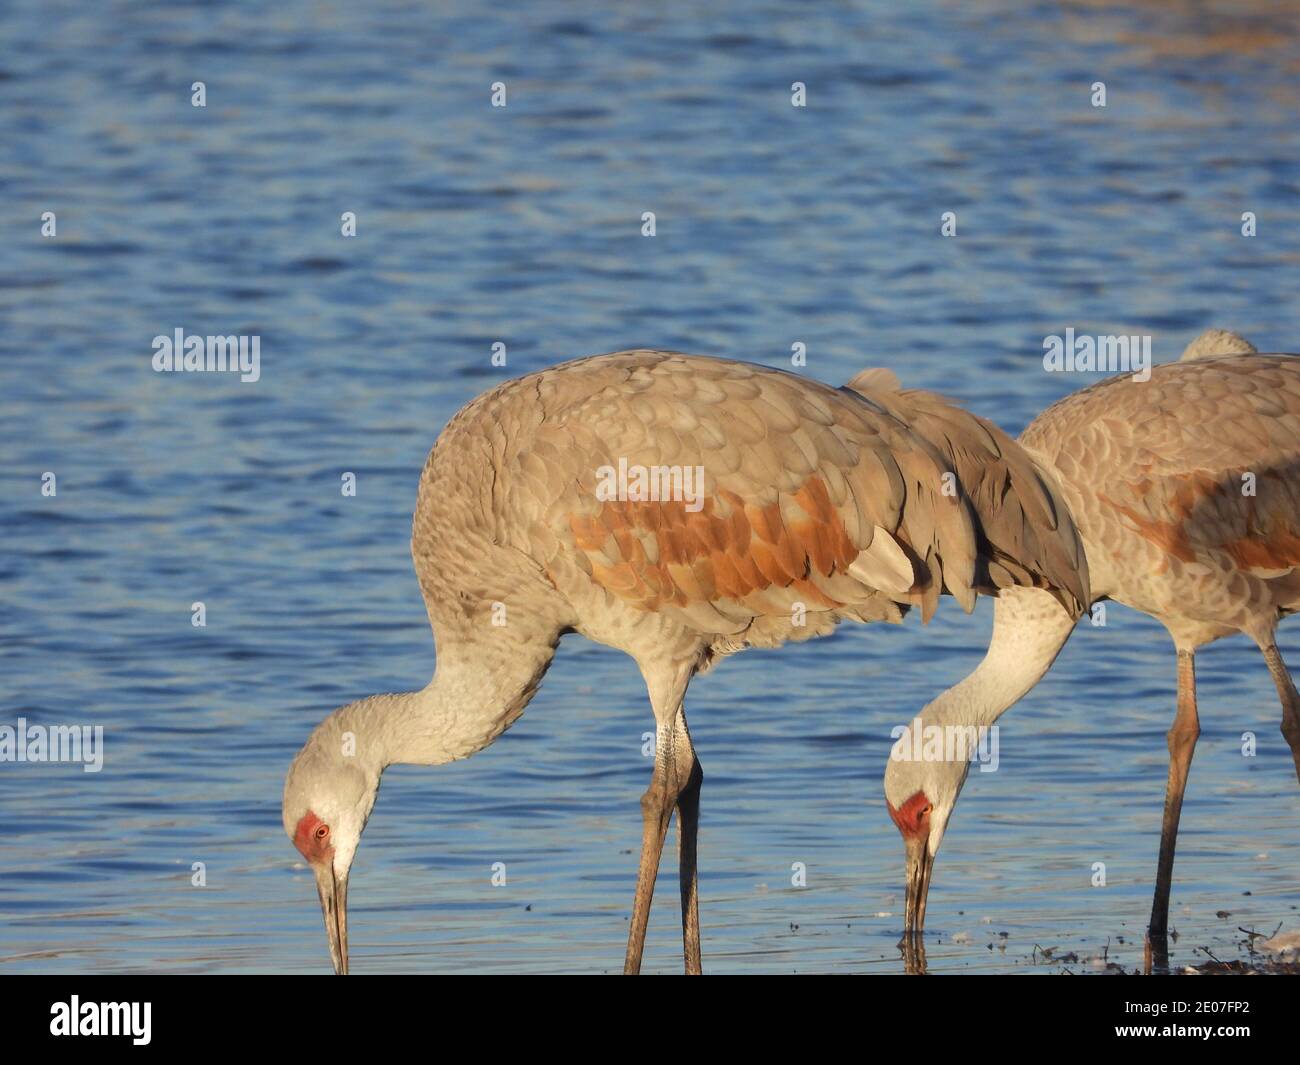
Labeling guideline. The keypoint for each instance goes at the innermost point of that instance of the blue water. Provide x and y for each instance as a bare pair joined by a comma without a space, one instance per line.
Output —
522,225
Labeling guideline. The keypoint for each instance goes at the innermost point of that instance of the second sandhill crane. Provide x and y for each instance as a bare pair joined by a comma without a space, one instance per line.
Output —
680,509
1186,490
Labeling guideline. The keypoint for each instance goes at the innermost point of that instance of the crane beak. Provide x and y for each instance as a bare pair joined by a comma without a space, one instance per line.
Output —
333,891
919,863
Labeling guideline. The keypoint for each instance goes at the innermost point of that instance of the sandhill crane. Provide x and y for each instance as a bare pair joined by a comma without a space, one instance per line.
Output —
805,505
1186,489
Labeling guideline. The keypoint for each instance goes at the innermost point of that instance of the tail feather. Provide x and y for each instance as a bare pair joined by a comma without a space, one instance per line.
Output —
939,528
1217,342
1025,535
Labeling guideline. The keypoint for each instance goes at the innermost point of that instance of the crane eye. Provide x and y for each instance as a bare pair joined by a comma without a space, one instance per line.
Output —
323,831
926,811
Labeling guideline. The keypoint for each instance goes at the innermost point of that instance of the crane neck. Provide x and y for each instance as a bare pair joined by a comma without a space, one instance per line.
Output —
474,696
1029,629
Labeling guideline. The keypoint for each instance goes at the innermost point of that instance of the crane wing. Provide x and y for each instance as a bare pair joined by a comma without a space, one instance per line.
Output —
768,491
1202,460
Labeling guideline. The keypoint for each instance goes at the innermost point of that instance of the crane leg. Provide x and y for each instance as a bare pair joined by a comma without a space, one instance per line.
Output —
688,827
1290,700
675,764
1182,742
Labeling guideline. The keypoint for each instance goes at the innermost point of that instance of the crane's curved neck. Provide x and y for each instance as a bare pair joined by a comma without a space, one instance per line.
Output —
474,696
1029,629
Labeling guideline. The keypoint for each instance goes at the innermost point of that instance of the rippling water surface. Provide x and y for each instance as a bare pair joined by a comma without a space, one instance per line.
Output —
776,225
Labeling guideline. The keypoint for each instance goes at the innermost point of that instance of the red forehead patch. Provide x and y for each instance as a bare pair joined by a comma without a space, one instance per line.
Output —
312,843
913,817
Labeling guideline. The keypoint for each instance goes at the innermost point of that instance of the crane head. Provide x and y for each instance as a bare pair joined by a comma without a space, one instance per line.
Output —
920,796
327,800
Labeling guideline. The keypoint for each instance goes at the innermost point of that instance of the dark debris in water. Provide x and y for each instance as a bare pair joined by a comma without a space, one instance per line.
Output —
1259,965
